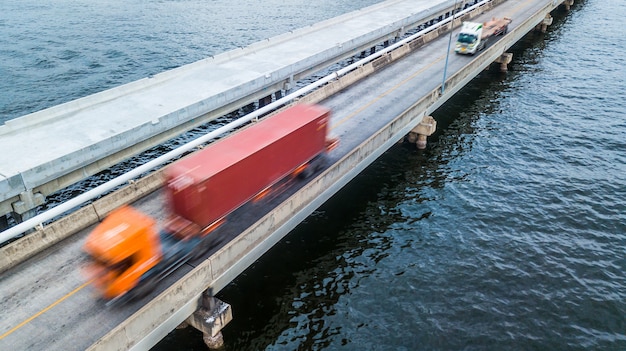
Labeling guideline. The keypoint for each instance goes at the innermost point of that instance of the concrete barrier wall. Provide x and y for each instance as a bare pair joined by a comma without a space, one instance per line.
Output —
42,238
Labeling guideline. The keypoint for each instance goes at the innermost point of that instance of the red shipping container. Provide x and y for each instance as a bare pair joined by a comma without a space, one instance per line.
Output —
209,184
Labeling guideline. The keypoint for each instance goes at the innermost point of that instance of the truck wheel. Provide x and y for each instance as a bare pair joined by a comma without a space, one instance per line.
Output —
202,249
306,173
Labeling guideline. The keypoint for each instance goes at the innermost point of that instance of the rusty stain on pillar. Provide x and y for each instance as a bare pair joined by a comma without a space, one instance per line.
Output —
422,131
210,319
504,61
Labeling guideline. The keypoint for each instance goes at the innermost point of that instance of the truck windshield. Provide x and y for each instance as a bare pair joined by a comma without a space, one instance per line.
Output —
117,268
121,266
466,38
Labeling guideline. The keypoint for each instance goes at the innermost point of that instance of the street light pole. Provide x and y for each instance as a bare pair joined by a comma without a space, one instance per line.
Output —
445,68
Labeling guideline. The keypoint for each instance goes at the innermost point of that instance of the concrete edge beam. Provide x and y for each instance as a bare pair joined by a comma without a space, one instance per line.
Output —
43,238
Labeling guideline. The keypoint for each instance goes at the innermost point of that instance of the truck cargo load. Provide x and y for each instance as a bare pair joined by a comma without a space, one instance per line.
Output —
474,36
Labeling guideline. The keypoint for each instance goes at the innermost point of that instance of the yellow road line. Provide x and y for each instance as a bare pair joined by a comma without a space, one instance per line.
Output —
44,310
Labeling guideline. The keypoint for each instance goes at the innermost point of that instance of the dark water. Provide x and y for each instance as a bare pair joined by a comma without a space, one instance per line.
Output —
507,233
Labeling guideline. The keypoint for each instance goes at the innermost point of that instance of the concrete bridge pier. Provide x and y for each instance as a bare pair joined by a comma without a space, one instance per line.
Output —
210,319
422,131
25,207
543,26
568,4
288,85
504,61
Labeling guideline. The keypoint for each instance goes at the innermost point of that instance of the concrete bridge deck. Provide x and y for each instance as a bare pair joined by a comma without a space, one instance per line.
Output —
59,146
390,98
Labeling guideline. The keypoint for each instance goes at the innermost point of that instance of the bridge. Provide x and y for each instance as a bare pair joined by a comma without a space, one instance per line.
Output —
95,132
46,302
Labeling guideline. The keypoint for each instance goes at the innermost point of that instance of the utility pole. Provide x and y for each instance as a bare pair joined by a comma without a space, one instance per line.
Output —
445,67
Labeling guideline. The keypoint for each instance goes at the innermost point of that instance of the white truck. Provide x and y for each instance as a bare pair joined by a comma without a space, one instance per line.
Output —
475,36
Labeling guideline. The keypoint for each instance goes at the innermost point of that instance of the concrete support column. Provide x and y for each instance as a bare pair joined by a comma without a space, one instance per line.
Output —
210,319
568,4
24,208
504,61
288,85
543,26
422,131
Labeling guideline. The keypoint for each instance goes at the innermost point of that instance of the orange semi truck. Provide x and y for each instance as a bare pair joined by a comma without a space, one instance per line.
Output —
130,254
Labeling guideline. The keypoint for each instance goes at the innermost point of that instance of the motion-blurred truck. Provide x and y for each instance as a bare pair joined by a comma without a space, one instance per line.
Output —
130,254
475,36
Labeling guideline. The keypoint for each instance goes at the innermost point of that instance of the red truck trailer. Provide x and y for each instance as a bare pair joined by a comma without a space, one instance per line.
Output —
129,251
204,187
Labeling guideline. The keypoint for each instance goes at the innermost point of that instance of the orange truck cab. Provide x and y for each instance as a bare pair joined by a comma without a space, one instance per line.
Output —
129,255
123,247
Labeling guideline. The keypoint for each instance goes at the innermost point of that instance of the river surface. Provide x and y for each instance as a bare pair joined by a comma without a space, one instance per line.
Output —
507,233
